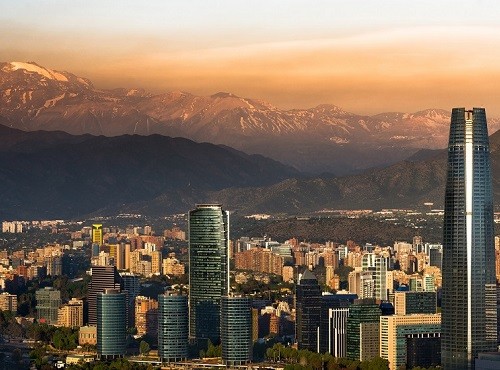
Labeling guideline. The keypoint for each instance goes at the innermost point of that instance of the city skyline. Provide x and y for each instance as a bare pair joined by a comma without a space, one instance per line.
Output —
383,56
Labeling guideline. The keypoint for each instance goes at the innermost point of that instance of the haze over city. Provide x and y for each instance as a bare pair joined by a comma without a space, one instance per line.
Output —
367,57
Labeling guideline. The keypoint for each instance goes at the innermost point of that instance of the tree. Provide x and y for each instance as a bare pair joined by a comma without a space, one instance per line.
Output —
144,347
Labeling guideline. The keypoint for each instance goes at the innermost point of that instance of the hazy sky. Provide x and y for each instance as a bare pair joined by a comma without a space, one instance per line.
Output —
365,56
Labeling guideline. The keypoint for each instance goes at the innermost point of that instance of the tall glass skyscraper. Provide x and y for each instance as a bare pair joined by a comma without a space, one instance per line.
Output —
208,269
469,293
111,324
308,311
236,330
173,327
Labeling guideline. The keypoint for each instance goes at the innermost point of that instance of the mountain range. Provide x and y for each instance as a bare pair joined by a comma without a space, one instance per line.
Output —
58,175
321,139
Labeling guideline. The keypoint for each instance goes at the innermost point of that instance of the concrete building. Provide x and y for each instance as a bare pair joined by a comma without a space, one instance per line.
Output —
396,329
48,301
71,314
409,302
87,335
146,316
8,302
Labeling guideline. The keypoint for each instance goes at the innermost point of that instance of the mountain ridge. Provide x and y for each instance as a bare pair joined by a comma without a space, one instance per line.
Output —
324,138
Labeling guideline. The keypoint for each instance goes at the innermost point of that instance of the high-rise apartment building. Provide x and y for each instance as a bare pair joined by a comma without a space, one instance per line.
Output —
48,301
146,316
111,324
469,290
8,302
71,314
377,265
208,269
308,311
173,327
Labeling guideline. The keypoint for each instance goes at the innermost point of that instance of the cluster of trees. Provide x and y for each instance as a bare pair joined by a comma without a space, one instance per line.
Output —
211,351
59,337
26,290
307,360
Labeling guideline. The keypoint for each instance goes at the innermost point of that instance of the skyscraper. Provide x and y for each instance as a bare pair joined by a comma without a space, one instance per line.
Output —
308,308
111,325
363,330
208,269
236,330
469,292
103,277
172,327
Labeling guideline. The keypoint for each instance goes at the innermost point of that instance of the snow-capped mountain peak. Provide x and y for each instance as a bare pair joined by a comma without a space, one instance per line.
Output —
32,67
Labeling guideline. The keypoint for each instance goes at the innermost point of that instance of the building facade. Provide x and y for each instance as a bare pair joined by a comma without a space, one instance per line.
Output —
208,269
8,302
48,301
146,316
363,330
173,328
409,302
308,311
103,277
71,314
469,290
395,330
111,324
236,330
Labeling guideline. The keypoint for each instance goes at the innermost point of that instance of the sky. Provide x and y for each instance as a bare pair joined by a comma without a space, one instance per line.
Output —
364,56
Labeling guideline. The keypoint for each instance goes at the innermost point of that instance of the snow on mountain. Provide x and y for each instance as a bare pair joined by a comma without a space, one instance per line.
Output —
33,67
34,97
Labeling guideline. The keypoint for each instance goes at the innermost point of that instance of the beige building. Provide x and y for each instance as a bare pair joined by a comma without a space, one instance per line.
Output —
8,302
71,314
87,335
395,329
287,273
172,266
368,340
156,267
146,316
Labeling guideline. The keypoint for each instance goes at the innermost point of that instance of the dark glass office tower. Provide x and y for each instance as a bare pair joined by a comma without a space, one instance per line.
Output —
111,325
236,330
103,277
208,269
469,293
308,309
173,327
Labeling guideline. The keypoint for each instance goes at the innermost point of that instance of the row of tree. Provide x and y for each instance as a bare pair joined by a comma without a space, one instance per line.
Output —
307,360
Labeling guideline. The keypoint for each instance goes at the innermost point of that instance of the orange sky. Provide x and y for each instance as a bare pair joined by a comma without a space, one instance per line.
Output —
366,59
